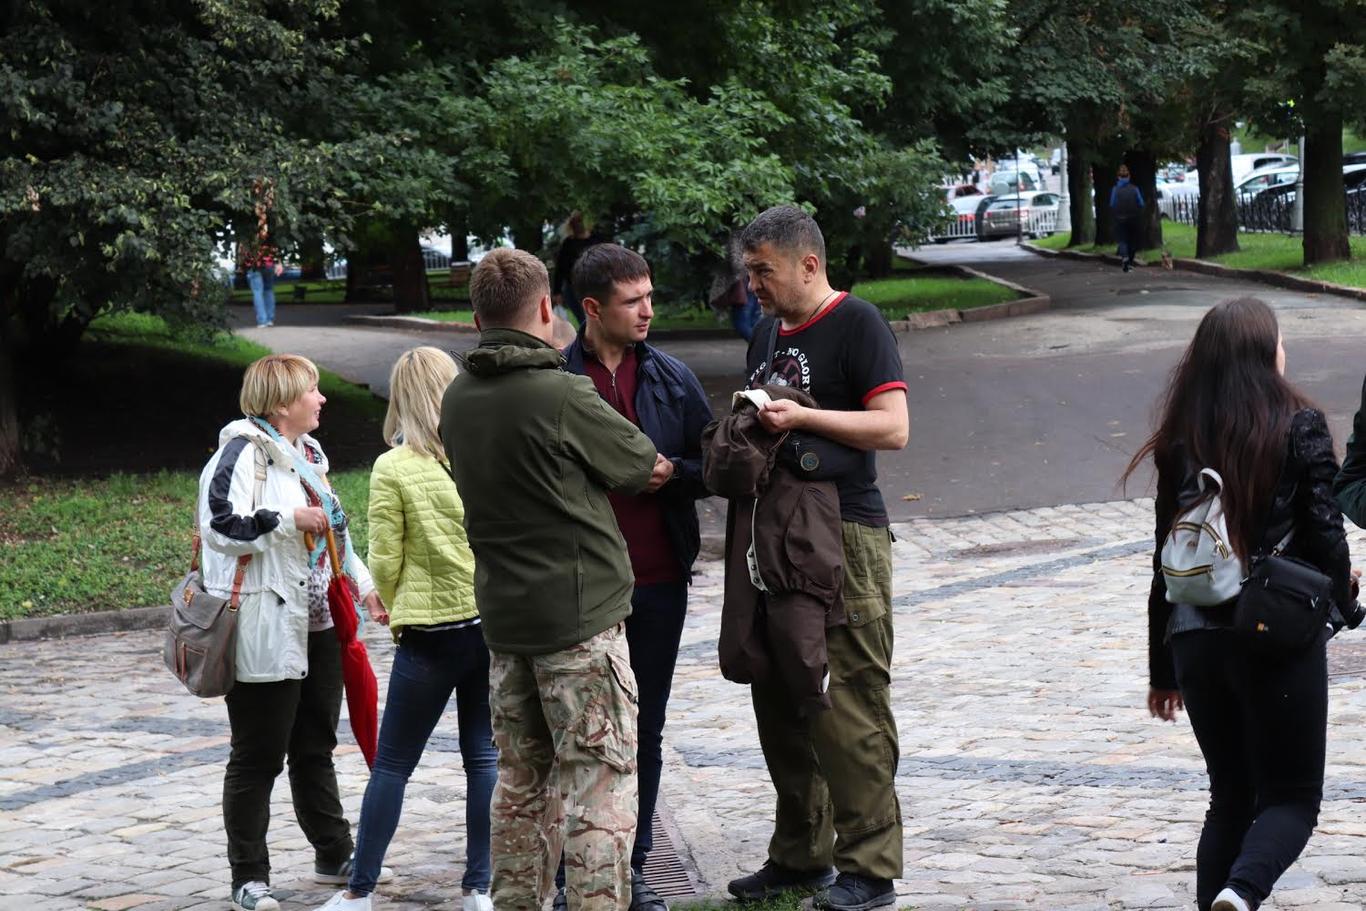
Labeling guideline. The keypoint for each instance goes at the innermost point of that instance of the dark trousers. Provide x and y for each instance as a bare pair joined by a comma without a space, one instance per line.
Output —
834,773
271,722
1261,723
428,667
1126,229
653,632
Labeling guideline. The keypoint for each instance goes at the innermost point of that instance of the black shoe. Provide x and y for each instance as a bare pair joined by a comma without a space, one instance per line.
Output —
855,892
643,898
561,902
1126,265
772,880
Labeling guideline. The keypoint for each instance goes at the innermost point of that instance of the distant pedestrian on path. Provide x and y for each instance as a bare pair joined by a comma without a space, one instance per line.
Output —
834,772
661,396
571,248
535,451
259,258
259,493
1259,716
1126,203
424,572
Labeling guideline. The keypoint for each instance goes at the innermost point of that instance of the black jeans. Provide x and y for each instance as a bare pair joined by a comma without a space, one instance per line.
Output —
653,632
1126,229
271,721
1261,722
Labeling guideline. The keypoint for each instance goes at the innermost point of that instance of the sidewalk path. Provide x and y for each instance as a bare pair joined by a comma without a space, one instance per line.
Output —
1017,413
1030,778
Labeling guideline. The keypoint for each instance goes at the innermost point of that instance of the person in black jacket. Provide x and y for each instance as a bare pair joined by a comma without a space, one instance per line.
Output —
663,397
1260,718
1126,202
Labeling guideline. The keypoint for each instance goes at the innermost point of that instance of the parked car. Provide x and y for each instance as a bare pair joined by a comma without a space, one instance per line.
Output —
1006,182
1245,165
1038,212
1263,179
968,210
1353,177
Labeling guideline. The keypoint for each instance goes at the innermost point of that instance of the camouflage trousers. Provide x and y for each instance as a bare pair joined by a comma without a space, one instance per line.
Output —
565,727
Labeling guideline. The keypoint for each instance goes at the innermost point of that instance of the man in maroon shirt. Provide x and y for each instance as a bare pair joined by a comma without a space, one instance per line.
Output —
661,396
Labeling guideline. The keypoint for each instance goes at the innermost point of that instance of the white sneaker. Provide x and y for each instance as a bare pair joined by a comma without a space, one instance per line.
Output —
1228,900
340,902
253,896
477,901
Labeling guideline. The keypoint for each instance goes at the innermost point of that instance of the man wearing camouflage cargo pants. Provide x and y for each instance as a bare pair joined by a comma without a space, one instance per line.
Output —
534,452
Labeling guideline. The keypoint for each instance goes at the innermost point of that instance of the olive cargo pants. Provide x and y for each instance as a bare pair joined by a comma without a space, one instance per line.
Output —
835,772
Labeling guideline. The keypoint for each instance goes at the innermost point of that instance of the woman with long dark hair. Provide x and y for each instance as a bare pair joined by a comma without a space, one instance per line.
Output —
1260,718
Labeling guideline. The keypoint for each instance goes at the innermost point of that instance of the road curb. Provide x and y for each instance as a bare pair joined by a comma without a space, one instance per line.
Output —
1032,301
415,323
61,626
1218,270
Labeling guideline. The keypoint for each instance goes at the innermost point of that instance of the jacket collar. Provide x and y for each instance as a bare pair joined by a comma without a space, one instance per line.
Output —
574,355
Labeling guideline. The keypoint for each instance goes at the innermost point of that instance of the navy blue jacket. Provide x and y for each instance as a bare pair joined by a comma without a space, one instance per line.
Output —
672,409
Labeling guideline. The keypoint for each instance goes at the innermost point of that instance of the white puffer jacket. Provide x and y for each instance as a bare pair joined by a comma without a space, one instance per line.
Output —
272,622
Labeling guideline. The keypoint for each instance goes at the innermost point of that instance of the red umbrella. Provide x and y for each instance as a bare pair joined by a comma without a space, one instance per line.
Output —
362,691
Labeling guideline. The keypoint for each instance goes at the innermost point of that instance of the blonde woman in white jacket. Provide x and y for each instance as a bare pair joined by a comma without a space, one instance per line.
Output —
261,491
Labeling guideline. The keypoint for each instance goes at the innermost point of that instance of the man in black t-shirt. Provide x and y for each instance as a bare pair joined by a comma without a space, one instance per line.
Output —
833,772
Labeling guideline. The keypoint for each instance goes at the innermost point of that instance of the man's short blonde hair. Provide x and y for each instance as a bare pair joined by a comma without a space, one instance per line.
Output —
276,381
506,286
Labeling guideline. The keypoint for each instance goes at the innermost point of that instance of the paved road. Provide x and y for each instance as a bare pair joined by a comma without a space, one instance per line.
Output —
1030,776
1017,413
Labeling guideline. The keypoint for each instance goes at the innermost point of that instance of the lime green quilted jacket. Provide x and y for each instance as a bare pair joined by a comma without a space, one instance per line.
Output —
419,555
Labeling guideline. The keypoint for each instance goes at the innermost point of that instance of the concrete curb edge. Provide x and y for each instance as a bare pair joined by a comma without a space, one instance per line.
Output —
60,626
1204,267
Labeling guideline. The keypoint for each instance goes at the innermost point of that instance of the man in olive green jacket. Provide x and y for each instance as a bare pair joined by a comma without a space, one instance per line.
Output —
534,451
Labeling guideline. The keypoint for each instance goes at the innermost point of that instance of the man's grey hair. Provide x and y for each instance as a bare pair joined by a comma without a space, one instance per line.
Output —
788,228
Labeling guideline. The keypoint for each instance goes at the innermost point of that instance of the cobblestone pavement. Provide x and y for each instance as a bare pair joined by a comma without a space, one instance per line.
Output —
1030,777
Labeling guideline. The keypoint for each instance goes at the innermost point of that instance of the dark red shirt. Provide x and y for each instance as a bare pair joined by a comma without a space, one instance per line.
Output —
640,516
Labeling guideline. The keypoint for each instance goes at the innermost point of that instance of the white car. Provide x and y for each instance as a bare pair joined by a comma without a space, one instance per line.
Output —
1244,165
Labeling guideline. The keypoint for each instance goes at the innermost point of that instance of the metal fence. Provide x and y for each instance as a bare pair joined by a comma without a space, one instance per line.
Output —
432,260
1039,222
1269,214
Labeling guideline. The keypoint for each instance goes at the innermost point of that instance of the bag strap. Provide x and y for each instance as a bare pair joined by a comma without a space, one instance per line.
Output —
772,347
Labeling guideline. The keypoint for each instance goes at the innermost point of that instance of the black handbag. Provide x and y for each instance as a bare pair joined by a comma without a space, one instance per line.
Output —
1284,604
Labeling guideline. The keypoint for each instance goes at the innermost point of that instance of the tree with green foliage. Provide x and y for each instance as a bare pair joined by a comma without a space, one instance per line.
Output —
1312,55
129,141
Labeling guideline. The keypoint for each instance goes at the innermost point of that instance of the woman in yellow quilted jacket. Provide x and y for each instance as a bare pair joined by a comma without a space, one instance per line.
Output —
424,573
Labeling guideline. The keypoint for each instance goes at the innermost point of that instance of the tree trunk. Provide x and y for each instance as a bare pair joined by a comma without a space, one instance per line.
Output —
1103,179
1216,224
529,236
409,273
460,241
1325,202
1079,192
11,459
1143,174
312,259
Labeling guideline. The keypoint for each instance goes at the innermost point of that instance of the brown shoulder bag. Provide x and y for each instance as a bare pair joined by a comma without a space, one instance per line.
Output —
201,637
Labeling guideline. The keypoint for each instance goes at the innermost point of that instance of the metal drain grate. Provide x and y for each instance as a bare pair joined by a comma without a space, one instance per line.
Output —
665,868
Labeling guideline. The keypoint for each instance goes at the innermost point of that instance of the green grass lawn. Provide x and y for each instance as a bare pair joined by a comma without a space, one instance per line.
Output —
901,293
108,540
1276,252
333,291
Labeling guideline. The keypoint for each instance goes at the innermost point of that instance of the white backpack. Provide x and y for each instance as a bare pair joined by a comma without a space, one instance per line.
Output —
1197,561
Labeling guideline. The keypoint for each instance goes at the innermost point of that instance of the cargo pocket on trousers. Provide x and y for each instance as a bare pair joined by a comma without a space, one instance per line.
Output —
608,727
867,574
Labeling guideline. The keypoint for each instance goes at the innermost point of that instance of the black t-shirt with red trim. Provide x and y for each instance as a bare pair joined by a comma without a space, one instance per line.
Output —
843,356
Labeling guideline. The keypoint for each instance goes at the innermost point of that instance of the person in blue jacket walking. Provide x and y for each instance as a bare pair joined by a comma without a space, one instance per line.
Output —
1126,202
